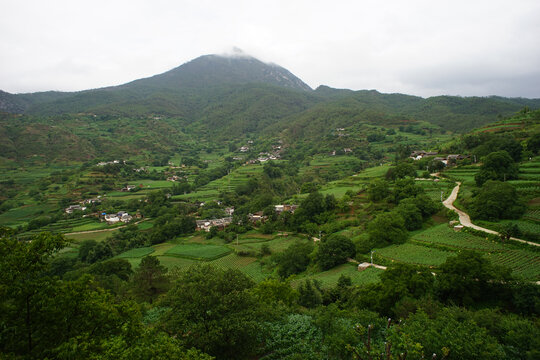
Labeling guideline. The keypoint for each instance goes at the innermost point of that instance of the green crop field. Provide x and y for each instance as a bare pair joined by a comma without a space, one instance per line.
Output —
374,172
198,251
137,252
532,214
98,236
444,235
330,277
276,245
523,263
415,254
172,262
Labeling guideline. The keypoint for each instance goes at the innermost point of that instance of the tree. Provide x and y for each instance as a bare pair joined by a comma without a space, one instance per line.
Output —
295,337
388,228
533,144
497,200
497,165
468,278
406,188
294,259
84,249
273,291
400,171
335,250
44,317
410,213
378,190
310,293
508,230
22,265
150,280
450,335
213,310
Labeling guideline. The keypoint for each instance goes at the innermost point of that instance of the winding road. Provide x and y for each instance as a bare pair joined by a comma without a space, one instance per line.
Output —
465,219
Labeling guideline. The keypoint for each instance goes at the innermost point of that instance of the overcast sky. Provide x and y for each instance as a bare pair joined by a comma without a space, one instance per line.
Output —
426,48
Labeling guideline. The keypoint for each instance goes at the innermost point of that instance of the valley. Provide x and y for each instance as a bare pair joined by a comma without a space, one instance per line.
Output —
229,186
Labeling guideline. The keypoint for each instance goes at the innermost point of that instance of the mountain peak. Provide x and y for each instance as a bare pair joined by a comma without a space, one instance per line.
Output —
235,67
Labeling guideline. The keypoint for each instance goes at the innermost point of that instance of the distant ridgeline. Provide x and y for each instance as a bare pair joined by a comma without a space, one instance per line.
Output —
217,98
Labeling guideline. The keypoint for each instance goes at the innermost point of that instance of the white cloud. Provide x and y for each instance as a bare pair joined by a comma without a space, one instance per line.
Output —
420,47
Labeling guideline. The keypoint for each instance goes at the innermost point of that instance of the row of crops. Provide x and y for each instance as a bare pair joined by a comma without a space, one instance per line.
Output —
433,246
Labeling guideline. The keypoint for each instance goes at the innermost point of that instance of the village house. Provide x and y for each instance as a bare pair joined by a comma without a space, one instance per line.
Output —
128,188
229,210
285,207
122,216
419,154
347,150
103,163
258,216
92,201
244,149
209,223
71,208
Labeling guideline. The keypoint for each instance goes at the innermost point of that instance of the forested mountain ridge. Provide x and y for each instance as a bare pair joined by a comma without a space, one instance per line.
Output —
218,98
206,86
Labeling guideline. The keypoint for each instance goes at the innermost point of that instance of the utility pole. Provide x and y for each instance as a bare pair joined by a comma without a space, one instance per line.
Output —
441,195
372,257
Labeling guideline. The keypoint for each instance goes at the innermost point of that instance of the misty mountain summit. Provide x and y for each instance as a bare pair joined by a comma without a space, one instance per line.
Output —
212,70
204,76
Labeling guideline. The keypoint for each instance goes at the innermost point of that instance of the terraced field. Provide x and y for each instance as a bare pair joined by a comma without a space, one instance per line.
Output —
229,182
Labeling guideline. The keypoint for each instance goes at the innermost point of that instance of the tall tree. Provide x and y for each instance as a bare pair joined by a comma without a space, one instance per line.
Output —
213,310
150,280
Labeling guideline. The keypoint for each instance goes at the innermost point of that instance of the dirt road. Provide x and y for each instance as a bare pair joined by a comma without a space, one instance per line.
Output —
465,219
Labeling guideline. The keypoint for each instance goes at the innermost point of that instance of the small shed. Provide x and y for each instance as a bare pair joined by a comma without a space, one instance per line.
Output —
363,266
458,228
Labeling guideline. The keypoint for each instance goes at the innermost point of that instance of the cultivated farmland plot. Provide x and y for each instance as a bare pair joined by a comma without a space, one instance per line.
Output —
330,277
137,253
198,251
427,248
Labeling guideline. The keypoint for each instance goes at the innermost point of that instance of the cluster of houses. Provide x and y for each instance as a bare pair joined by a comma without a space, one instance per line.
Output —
111,219
209,223
103,163
222,223
81,207
72,208
175,178
449,159
264,157
345,150
341,132
275,154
